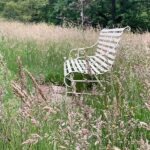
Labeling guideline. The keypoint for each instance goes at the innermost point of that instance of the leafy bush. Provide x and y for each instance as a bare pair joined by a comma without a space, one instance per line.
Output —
31,10
95,13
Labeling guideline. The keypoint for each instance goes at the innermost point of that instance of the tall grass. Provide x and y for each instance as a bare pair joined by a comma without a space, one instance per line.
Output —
120,117
42,47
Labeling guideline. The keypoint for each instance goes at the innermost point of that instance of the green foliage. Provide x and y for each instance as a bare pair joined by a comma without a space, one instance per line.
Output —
29,10
36,60
139,20
116,118
96,12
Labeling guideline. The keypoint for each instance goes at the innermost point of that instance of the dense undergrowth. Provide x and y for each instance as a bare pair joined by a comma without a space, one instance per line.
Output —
118,118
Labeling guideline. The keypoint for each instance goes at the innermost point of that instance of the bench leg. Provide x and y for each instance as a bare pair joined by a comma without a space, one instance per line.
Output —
74,87
73,84
66,94
70,88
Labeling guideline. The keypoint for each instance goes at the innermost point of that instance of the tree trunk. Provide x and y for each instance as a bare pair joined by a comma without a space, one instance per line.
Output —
82,13
113,10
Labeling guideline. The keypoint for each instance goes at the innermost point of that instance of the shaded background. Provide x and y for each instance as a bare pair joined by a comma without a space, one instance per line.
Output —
135,13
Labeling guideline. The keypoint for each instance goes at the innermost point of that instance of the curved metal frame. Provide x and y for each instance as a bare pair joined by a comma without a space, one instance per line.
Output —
73,82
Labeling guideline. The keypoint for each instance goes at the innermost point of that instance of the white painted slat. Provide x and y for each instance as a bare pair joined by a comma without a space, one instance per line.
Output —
94,67
110,34
97,65
83,66
107,49
106,54
65,69
105,59
107,44
78,66
69,66
112,30
86,66
74,66
113,40
102,63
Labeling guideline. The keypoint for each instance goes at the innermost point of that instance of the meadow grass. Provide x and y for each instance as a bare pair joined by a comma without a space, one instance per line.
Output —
119,117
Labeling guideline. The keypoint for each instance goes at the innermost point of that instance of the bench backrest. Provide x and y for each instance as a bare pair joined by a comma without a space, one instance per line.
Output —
107,46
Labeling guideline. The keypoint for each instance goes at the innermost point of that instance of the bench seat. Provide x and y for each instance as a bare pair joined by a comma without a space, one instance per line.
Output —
89,66
101,62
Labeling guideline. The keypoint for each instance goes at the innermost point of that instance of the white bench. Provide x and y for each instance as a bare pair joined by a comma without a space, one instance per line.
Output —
97,64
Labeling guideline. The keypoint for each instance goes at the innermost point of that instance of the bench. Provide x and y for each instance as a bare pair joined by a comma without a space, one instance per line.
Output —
100,63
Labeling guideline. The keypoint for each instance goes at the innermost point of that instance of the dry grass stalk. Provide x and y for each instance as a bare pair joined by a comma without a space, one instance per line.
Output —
116,148
43,33
34,139
80,123
144,145
21,93
1,99
145,126
36,85
21,74
148,105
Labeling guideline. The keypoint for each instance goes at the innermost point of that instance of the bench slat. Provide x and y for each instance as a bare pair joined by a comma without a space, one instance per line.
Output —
102,63
112,40
107,49
91,69
94,67
65,69
105,59
113,30
74,66
97,65
107,44
69,66
105,54
82,63
111,34
78,65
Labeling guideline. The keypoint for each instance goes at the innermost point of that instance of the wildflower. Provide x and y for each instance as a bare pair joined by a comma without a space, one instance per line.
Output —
145,125
113,126
148,106
85,131
49,109
62,147
32,140
116,148
46,135
144,145
122,124
96,143
35,122
24,130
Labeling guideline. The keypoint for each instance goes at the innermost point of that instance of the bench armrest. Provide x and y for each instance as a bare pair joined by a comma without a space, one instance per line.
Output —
80,50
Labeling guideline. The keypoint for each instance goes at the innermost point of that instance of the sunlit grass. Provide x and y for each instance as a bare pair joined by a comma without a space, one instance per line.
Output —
119,117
